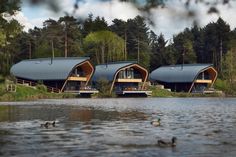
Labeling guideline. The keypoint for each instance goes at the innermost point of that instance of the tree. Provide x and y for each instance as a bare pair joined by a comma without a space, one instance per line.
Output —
7,50
72,35
138,41
90,25
229,64
216,39
183,43
223,30
158,51
104,46
120,28
170,56
52,32
198,43
9,29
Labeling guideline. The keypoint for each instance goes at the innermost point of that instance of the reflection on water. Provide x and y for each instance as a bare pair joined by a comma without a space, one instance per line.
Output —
118,127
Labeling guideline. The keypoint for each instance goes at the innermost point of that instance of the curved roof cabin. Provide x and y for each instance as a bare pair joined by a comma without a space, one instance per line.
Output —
58,74
124,77
185,78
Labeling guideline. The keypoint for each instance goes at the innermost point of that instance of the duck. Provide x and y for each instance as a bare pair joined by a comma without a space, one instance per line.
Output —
163,143
156,122
47,124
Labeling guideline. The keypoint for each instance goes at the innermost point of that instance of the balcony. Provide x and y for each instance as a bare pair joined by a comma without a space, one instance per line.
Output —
80,90
133,90
77,78
132,80
203,81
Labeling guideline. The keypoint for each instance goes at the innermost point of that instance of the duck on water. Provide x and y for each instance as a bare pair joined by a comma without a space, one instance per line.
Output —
48,124
156,122
164,143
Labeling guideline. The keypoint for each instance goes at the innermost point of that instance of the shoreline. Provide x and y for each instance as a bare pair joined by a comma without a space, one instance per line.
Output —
41,101
26,93
98,98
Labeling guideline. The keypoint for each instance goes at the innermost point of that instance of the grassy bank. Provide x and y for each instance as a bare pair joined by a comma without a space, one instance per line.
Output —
25,93
156,92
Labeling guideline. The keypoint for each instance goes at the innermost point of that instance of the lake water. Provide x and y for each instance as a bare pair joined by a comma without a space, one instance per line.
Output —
204,127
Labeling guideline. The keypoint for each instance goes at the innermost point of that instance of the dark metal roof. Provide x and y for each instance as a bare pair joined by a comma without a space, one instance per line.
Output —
107,71
178,73
42,69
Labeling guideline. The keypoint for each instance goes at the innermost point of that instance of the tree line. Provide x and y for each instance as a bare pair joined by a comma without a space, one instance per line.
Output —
120,41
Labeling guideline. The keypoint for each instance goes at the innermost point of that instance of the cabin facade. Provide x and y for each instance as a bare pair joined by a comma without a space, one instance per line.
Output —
58,74
125,78
195,78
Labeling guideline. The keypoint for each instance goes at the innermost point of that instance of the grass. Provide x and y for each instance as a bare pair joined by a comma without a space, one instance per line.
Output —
156,92
228,88
25,93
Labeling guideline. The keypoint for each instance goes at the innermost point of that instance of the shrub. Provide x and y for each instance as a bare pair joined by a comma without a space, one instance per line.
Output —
103,85
221,85
156,92
2,79
41,87
226,86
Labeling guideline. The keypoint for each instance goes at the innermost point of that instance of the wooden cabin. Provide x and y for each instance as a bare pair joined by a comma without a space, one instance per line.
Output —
58,74
195,78
125,78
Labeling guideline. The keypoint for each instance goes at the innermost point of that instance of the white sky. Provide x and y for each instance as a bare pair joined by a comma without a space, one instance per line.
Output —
168,21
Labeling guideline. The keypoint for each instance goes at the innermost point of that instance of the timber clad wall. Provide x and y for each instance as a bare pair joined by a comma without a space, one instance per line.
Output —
73,75
60,73
185,78
122,76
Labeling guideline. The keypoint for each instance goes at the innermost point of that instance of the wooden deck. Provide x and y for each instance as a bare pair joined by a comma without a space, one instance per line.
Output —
148,93
82,91
74,78
129,80
33,84
203,81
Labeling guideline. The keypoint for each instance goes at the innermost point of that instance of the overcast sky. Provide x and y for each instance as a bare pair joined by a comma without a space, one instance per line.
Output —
168,21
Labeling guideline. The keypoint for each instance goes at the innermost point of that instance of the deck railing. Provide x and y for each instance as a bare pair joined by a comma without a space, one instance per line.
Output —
134,89
26,82
31,83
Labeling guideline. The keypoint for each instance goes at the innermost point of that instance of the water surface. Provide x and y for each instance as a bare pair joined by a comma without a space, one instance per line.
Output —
204,127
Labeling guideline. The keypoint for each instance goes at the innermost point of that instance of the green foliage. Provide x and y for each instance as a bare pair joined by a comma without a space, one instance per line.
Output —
216,38
136,37
41,87
9,29
104,46
9,7
104,86
158,51
2,79
90,25
25,93
221,85
183,44
229,64
224,85
138,41
2,37
156,92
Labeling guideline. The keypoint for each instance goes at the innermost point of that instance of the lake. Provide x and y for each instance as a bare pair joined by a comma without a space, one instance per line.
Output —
204,127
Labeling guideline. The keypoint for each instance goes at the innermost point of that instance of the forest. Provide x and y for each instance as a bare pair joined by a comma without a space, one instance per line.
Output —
128,40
